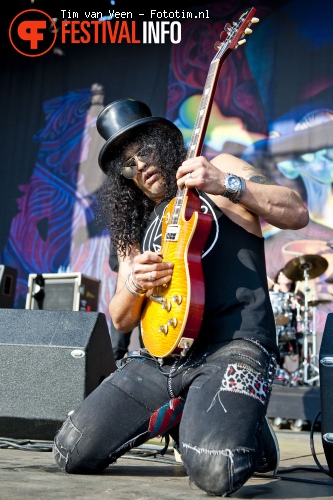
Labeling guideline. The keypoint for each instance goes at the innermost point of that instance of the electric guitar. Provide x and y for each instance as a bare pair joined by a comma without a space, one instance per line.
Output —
172,315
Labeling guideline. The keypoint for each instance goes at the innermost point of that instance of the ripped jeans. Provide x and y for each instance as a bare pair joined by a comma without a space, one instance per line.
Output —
218,395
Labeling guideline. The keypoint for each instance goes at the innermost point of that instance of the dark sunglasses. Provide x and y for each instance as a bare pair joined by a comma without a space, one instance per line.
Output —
130,167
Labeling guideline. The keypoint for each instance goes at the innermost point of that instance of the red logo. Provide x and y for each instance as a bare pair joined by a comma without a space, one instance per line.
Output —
32,33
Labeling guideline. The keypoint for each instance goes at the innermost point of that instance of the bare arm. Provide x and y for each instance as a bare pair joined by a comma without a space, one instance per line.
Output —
148,270
278,205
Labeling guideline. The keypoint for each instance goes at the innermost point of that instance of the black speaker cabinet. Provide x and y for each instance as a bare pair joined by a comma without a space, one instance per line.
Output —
8,277
326,390
63,291
49,362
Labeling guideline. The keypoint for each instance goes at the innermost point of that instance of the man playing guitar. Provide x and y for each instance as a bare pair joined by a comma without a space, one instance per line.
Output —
212,396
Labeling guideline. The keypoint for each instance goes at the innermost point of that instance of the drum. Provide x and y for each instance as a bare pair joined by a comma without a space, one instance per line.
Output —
285,334
281,308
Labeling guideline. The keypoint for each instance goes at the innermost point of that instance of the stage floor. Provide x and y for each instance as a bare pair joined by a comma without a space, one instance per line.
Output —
33,474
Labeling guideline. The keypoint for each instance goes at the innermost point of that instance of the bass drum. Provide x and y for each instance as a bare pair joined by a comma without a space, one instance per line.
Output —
281,308
285,334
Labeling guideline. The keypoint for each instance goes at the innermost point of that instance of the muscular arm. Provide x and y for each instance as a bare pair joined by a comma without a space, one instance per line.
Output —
278,205
125,307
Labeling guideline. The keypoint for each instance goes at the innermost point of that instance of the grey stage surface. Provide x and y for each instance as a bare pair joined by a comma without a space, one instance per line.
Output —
143,475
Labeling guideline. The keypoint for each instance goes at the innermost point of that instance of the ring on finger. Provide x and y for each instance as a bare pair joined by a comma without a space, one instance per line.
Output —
189,175
151,278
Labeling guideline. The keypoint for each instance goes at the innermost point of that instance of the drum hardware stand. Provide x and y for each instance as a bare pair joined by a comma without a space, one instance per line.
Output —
308,364
305,267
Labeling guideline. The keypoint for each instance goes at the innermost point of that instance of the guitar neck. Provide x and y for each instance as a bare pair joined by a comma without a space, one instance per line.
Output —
205,107
230,39
199,130
200,127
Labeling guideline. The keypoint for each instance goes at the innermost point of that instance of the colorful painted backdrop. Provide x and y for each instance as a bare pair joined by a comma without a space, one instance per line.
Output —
273,107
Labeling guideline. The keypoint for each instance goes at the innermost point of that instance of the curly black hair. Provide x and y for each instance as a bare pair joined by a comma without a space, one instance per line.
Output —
276,280
125,208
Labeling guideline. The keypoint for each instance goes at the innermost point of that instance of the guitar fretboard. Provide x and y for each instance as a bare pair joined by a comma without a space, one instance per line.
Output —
230,38
199,130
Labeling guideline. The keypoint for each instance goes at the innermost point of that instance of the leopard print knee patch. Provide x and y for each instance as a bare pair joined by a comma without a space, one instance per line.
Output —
239,378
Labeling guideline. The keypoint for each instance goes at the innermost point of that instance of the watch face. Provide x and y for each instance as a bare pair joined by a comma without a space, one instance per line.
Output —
233,183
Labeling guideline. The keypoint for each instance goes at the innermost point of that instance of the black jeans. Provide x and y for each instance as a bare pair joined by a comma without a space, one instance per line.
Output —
219,395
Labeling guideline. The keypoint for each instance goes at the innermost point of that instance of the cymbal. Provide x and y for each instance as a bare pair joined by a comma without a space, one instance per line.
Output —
314,264
315,303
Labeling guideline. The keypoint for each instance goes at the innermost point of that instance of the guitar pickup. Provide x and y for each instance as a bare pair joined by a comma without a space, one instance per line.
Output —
172,232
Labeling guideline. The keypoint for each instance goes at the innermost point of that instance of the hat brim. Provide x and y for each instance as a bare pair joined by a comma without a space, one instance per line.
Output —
111,147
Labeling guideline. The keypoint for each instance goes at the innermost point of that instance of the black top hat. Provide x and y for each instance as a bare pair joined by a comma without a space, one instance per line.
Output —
121,120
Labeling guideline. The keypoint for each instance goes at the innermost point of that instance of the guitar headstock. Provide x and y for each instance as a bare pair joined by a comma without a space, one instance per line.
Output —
234,34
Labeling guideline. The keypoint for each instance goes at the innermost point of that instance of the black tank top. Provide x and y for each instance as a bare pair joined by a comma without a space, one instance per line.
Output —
237,301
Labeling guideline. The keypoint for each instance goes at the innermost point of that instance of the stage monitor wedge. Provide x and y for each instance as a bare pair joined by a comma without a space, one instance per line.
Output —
326,390
50,361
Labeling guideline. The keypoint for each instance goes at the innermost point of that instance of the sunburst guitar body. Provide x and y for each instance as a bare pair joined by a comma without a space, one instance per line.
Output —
172,316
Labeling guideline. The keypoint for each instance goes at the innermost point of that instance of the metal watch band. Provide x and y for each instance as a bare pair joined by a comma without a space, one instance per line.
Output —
236,198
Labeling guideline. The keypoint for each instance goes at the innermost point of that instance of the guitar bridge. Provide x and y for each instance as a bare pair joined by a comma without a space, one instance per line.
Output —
172,232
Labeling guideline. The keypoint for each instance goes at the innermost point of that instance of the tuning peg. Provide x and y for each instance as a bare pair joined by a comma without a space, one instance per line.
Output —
227,26
223,36
248,31
240,43
254,20
217,45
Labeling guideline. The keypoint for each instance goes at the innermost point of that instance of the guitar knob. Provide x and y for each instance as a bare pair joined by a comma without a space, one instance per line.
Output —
166,305
178,299
173,322
163,329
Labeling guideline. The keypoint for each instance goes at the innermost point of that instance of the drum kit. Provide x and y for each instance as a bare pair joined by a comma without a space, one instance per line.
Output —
295,320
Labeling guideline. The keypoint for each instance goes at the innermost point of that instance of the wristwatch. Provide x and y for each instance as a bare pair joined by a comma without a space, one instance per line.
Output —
233,184
234,187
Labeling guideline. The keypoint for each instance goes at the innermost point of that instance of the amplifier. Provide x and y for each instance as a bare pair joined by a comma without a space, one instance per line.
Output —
326,390
62,292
